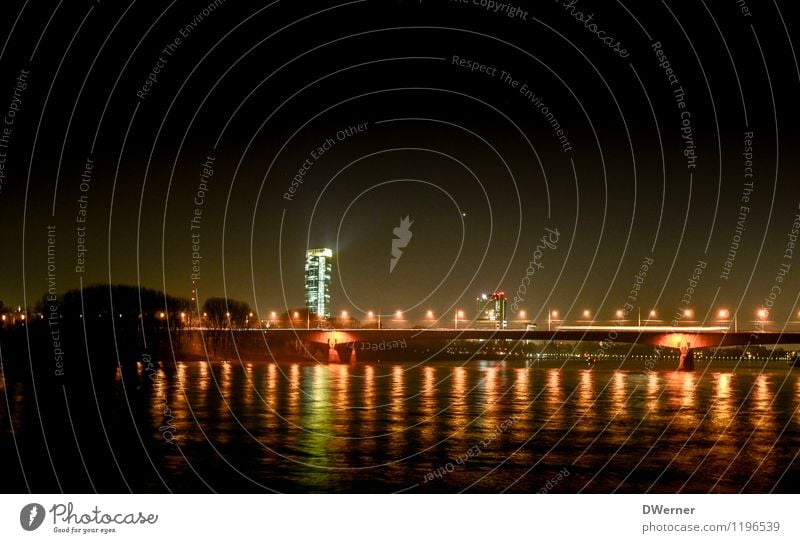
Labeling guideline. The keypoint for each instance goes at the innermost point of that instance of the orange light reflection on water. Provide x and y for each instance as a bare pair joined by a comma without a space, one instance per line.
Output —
458,412
367,412
397,409
428,404
654,389
586,391
490,393
723,409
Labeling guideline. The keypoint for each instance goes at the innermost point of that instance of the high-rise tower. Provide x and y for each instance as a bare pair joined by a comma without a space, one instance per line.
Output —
318,282
491,310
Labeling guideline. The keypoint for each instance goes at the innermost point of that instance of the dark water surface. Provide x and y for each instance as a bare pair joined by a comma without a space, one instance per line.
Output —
479,426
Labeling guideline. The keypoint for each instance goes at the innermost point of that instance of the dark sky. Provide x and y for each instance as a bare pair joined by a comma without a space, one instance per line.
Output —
474,161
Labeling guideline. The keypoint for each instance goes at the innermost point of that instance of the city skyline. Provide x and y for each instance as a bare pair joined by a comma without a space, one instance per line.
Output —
491,309
214,209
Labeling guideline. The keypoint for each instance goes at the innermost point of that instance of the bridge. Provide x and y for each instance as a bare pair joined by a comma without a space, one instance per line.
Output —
342,344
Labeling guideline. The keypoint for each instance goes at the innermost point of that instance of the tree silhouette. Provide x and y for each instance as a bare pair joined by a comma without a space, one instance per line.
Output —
221,313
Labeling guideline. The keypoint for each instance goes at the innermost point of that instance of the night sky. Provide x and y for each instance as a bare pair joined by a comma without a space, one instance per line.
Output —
633,134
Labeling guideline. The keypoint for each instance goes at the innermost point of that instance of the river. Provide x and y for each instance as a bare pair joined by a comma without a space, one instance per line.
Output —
438,426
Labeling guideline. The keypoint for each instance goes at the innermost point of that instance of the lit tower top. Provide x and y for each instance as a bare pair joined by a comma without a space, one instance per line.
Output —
318,282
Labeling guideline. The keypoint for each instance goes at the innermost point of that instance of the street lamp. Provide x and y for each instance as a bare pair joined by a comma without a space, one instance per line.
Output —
459,315
587,314
762,316
725,315
550,316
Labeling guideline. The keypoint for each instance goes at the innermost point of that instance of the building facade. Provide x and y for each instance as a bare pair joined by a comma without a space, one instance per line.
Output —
318,268
491,311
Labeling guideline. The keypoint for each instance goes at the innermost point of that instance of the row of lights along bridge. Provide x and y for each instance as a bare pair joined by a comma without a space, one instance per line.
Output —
459,318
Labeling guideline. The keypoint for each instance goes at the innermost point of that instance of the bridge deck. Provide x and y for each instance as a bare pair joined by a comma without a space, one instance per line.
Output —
666,336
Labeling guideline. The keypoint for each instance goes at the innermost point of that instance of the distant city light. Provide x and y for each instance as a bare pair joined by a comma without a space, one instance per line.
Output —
652,313
523,314
370,314
688,313
398,314
762,313
620,313
554,314
344,314
587,314
429,314
162,315
724,314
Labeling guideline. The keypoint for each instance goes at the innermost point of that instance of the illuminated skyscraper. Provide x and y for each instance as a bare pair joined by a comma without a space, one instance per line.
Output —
491,310
318,282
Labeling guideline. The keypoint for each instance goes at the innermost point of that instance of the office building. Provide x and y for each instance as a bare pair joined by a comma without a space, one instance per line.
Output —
491,311
318,282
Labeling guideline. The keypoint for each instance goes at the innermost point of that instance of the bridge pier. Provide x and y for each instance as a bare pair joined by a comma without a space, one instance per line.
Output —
687,359
341,354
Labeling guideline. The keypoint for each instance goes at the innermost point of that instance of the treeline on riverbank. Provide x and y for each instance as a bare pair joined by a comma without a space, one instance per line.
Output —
102,328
